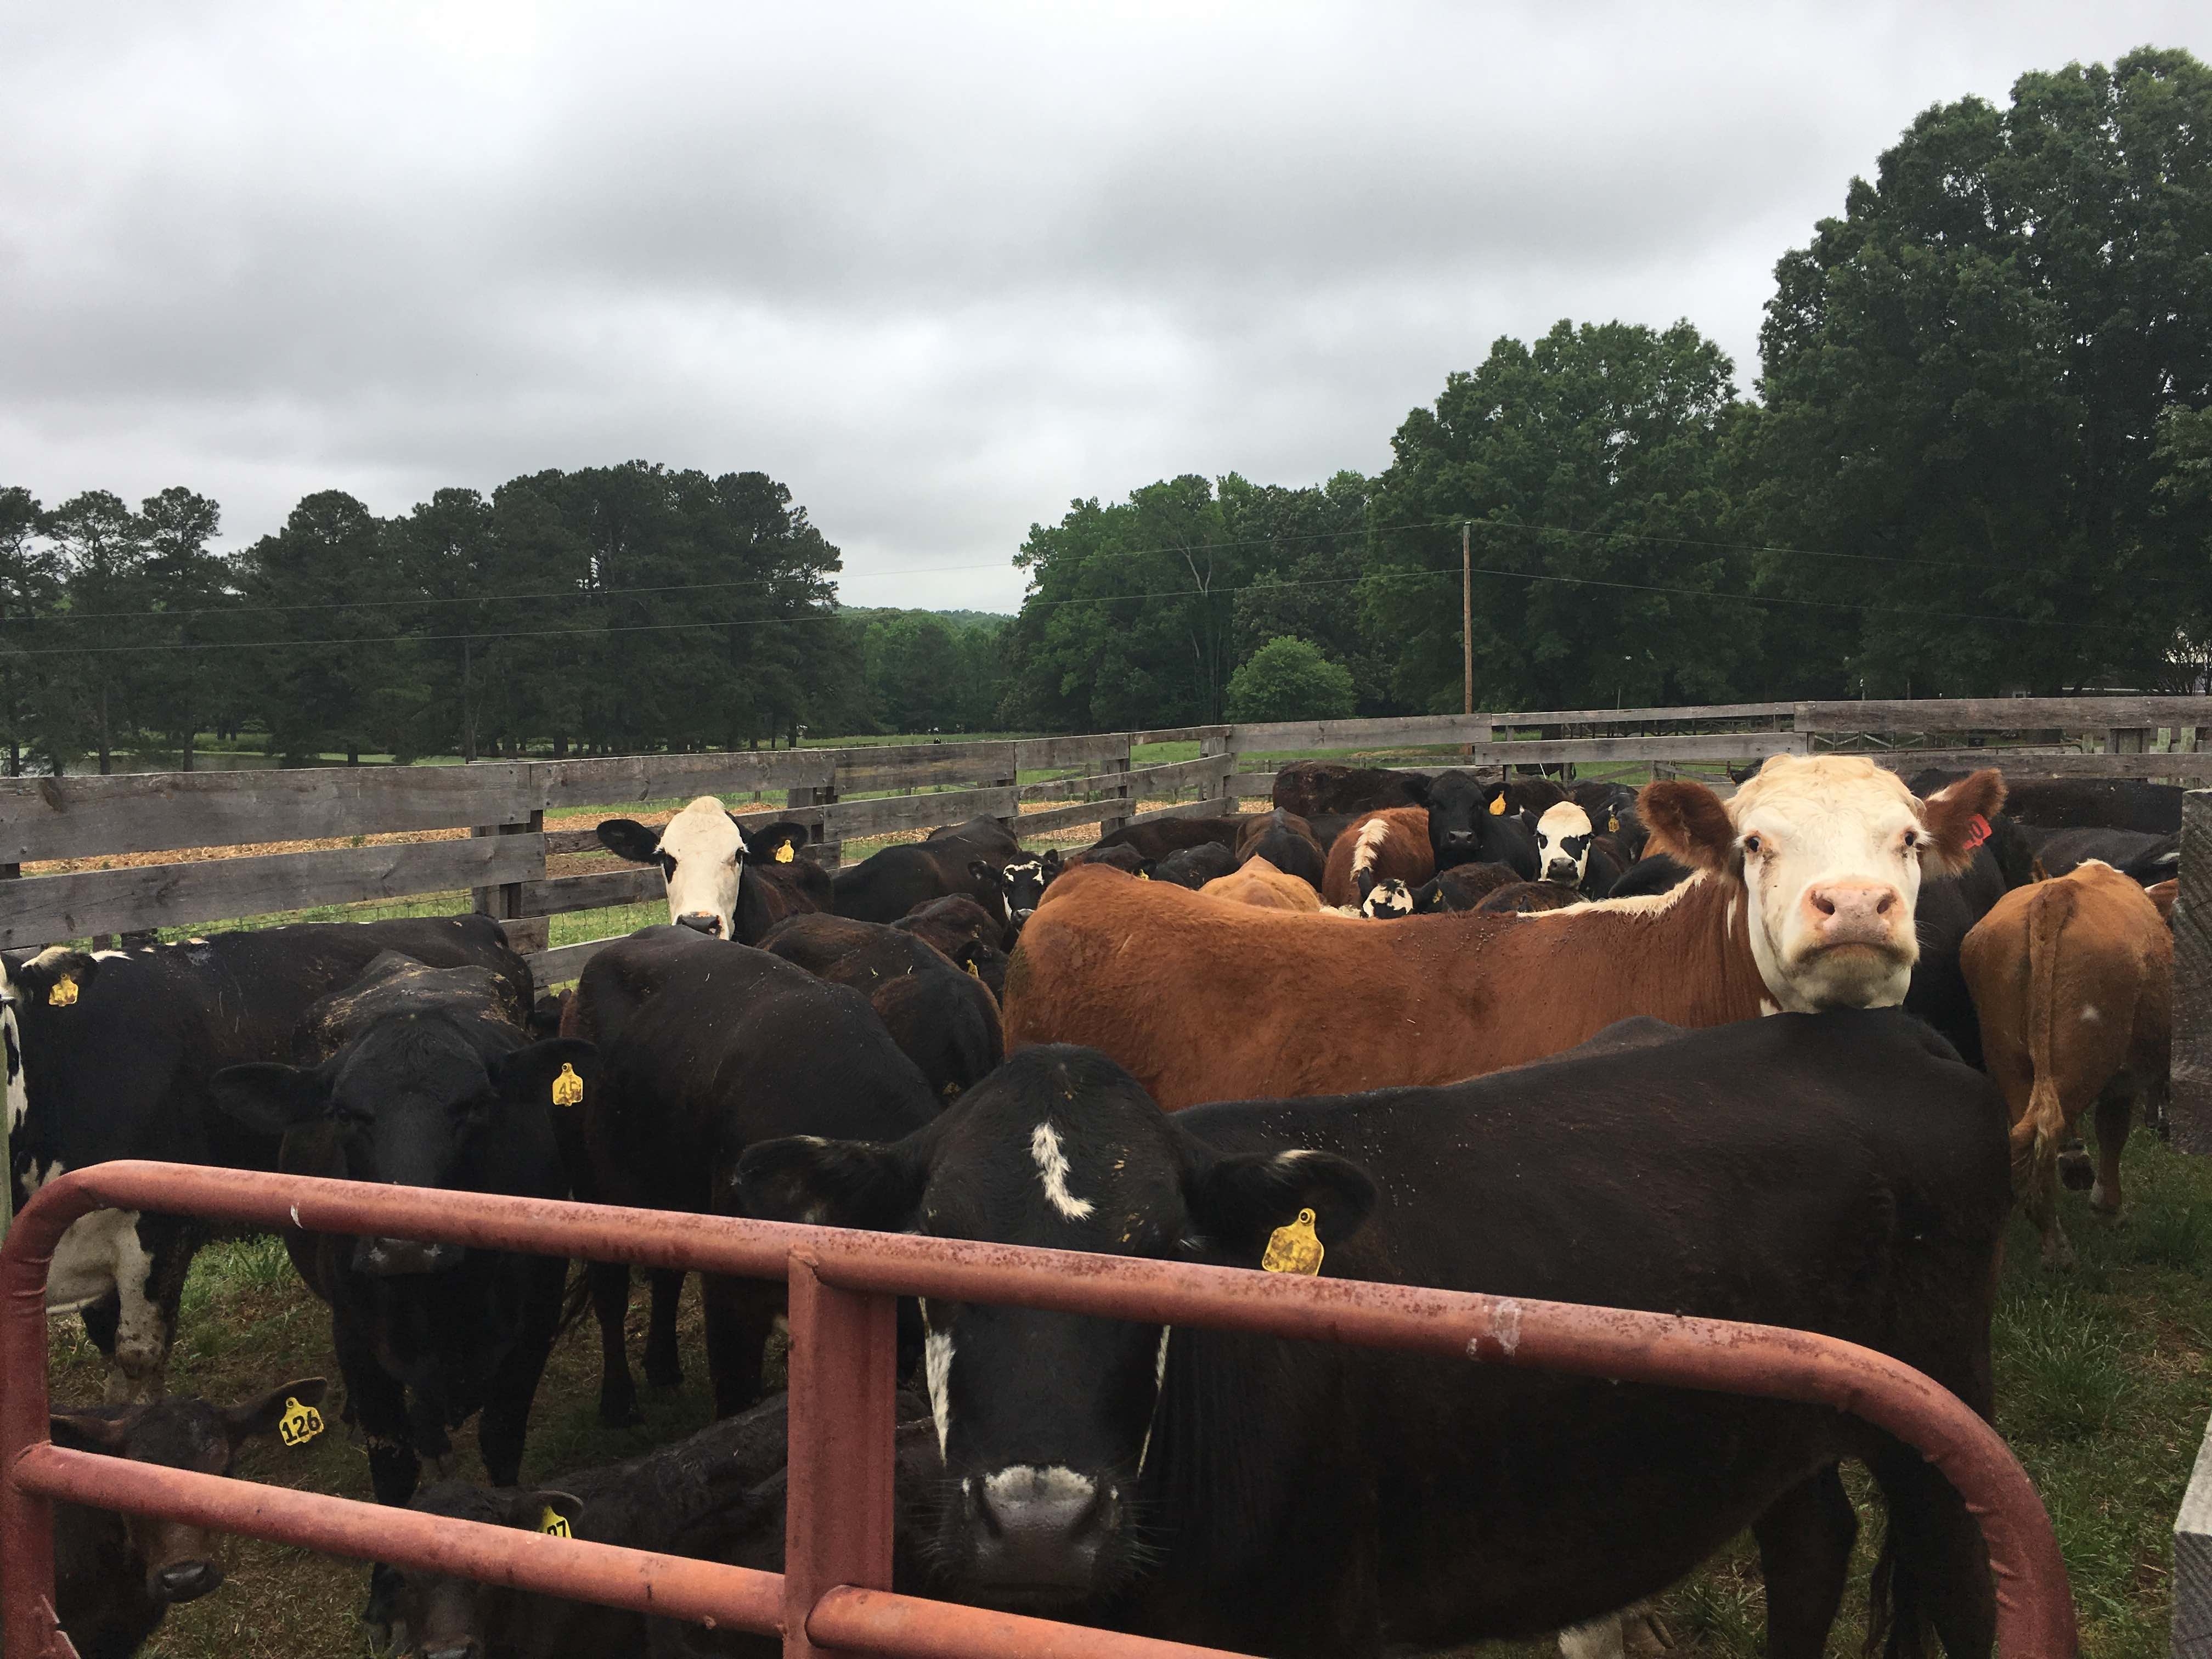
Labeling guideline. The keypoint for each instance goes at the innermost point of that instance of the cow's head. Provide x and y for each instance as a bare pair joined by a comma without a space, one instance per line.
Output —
1562,844
432,1616
702,853
1387,901
1045,1419
411,1101
1830,850
1470,823
1025,880
179,1560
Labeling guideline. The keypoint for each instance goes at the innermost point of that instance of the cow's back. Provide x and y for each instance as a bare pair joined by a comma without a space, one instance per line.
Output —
1390,845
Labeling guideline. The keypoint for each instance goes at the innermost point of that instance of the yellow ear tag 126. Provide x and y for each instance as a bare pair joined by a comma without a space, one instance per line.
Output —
299,1424
553,1523
1498,807
62,993
783,853
567,1088
1294,1248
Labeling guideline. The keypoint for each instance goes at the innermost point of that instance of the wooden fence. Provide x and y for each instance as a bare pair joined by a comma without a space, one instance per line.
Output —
839,795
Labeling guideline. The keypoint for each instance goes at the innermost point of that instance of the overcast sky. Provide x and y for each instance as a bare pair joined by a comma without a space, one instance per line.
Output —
938,269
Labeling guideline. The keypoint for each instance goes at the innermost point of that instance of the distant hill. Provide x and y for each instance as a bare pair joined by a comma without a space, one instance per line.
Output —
990,619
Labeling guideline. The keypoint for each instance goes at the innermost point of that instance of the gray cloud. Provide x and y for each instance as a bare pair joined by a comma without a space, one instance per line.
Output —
940,269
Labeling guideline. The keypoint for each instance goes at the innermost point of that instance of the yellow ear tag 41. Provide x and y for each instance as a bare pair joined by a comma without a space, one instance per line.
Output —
299,1424
553,1523
1294,1248
1498,807
783,853
62,993
567,1088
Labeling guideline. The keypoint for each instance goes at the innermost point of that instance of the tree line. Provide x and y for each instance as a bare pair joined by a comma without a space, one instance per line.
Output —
1979,461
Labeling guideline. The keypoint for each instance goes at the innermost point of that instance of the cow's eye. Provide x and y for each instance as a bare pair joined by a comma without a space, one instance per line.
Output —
1753,846
1912,838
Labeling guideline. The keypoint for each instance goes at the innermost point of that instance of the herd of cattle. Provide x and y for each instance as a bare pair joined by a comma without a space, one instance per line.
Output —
1497,1036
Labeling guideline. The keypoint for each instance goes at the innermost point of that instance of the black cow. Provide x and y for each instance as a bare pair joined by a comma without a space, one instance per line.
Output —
109,1055
1025,880
2152,809
1612,809
1282,1498
1194,866
717,872
116,1576
429,1081
965,857
1532,797
943,1016
1127,859
2145,858
965,932
705,1047
1657,873
1286,840
1155,838
1306,788
1464,828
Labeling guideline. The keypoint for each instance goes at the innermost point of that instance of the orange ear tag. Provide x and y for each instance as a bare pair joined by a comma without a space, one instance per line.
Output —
1498,807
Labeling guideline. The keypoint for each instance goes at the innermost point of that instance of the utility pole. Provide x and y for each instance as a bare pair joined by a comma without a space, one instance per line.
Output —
1467,626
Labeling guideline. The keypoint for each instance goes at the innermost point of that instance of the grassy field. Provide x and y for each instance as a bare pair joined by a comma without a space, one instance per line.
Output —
2105,1381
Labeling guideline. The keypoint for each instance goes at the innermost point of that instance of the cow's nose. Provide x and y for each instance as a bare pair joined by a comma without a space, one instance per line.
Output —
386,1258
1021,916
1459,837
1562,870
701,921
1844,912
1041,1529
187,1581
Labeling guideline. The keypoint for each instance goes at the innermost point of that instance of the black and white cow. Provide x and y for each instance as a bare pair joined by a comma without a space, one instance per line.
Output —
1568,851
1275,1497
108,1055
430,1080
724,880
1025,880
1468,823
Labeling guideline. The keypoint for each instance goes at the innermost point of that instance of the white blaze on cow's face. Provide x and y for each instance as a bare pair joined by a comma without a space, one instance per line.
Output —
1562,843
702,856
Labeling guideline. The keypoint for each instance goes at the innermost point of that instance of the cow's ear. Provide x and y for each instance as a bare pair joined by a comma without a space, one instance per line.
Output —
558,1071
984,870
267,1098
1417,786
54,976
774,843
1688,823
1958,820
250,1418
832,1183
97,1429
548,1510
626,838
1052,862
1238,1201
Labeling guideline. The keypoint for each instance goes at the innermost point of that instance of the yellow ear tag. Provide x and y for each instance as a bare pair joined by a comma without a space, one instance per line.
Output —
1294,1248
64,993
1612,824
299,1424
1144,875
567,1088
1498,807
972,974
784,854
553,1523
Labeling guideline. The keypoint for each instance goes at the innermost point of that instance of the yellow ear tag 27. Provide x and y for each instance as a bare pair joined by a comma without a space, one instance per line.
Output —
567,1088
783,853
1498,807
64,993
1294,1248
299,1424
553,1523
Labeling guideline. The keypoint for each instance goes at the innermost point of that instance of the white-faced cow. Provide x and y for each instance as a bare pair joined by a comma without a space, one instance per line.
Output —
724,880
1568,852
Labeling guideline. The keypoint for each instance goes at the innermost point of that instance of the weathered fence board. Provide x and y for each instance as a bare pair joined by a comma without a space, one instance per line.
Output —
885,814
923,766
39,909
632,884
564,961
1049,754
566,784
1071,788
2045,762
1685,746
1067,818
1719,711
1410,730
2003,714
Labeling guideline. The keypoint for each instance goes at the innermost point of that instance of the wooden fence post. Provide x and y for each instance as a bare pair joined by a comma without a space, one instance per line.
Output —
2128,740
1118,763
1215,786
504,903
2190,1115
827,854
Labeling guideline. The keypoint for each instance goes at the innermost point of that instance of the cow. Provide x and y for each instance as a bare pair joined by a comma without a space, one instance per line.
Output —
2143,859
717,872
1568,852
962,858
1471,822
1258,881
1612,809
2073,979
965,932
1286,841
1194,866
108,1055
2164,895
942,1016
2152,809
1127,859
1305,788
1649,876
1529,897
1288,1497
1801,897
1529,798
1391,845
1946,912
1025,880
425,1079
706,1047
1155,838
116,1576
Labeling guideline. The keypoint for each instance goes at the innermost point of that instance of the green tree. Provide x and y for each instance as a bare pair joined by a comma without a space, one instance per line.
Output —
37,700
1963,378
103,552
184,587
1289,679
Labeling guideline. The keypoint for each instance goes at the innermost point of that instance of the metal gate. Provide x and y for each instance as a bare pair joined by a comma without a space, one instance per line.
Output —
834,1595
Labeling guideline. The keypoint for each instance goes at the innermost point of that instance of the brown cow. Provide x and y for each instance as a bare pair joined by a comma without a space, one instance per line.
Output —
2073,982
1258,881
1802,898
1391,845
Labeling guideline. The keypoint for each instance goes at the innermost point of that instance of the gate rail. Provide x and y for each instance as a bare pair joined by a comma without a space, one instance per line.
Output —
834,1595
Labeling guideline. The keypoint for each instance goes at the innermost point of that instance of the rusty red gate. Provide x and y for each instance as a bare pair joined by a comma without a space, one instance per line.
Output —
834,1595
